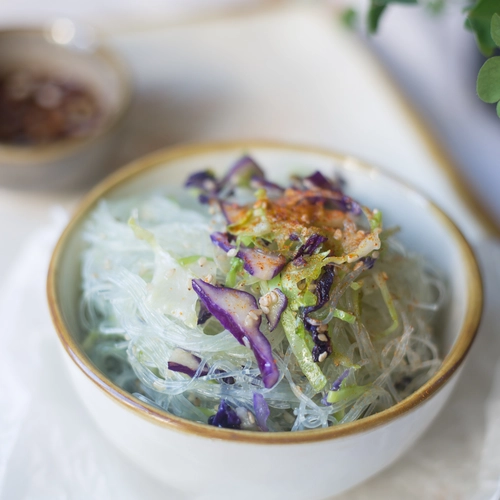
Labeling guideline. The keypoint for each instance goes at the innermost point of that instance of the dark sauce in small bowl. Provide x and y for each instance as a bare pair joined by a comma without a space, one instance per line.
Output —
38,109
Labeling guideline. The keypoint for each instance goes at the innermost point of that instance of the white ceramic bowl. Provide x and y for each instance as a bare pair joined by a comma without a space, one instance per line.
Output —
70,162
205,462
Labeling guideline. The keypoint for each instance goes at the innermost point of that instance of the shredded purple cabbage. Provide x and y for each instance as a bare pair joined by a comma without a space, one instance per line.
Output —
203,315
317,179
369,262
262,265
276,309
186,362
310,246
204,180
323,285
241,173
336,385
261,410
232,308
225,417
272,189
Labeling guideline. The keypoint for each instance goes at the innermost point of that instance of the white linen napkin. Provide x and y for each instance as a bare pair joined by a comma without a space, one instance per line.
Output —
51,449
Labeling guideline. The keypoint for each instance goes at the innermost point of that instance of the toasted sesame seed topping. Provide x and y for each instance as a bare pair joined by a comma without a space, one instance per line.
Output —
232,252
264,300
253,315
202,261
322,356
322,337
208,279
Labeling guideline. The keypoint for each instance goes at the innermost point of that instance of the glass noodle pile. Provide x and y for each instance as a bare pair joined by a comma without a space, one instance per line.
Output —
246,305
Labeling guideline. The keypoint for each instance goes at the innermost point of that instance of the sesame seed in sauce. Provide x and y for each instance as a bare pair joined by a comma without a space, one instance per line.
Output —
322,356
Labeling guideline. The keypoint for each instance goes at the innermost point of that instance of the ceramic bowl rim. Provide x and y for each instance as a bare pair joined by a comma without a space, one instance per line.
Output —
160,158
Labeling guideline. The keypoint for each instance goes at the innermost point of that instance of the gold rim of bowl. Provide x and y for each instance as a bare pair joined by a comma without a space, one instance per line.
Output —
450,364
25,155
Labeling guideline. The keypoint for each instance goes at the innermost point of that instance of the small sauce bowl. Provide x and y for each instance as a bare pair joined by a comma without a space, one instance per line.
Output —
56,74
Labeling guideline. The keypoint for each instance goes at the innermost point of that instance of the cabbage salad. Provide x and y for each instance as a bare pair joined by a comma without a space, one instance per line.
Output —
243,304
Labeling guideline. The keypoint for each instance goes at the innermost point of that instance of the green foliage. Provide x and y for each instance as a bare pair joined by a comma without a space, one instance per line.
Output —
488,80
483,19
377,8
349,18
479,20
495,29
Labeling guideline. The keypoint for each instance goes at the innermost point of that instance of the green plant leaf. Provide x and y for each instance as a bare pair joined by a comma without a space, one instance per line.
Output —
495,29
349,18
374,14
488,80
479,21
498,109
377,8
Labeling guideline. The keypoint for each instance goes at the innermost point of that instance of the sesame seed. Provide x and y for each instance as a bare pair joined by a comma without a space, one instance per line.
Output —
251,418
253,315
322,337
232,252
322,356
208,278
264,301
375,255
202,261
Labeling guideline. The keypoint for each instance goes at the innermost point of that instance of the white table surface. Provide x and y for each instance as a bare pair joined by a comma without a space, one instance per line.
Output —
288,74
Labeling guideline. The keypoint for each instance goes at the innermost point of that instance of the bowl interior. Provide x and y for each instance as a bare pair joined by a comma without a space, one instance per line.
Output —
96,70
425,230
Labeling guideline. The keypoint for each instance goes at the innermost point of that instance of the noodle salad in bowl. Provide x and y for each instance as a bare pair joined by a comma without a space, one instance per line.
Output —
245,304
238,314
